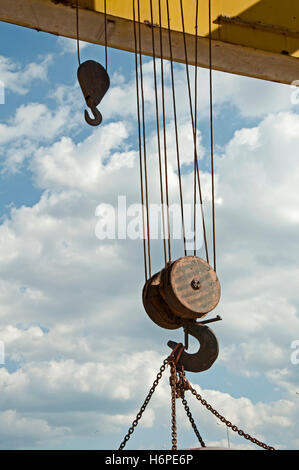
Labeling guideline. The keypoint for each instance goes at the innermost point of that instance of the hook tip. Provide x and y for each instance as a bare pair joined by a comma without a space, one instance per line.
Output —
97,117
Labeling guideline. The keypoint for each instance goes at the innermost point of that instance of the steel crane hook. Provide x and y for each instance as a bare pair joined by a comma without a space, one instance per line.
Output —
206,355
94,82
97,116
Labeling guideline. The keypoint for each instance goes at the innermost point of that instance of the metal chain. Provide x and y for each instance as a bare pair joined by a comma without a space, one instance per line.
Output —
228,423
169,360
188,412
178,388
146,401
182,386
173,384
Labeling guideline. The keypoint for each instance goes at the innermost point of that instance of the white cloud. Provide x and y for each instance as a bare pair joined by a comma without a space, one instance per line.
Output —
19,431
69,46
33,124
18,79
87,166
120,386
71,308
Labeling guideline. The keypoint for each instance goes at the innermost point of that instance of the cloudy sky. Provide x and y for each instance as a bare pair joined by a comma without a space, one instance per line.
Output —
80,351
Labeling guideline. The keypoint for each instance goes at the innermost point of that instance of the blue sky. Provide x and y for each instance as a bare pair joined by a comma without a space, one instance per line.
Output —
80,355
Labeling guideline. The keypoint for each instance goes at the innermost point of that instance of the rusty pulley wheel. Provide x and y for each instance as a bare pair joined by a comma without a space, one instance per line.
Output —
190,287
156,308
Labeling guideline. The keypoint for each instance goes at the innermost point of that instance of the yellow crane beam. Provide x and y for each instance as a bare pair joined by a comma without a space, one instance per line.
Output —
254,38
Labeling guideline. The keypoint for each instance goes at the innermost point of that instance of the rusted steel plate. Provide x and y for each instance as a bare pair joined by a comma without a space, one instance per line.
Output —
190,287
156,308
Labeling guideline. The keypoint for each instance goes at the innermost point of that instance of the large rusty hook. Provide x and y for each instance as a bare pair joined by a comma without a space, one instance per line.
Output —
208,352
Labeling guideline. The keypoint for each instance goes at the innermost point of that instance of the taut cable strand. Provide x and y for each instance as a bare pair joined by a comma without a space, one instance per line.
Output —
105,17
77,31
194,129
140,143
212,134
176,129
164,135
195,125
144,146
158,133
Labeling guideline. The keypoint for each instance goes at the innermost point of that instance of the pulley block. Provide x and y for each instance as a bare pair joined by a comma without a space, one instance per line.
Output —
94,82
156,307
190,287
184,290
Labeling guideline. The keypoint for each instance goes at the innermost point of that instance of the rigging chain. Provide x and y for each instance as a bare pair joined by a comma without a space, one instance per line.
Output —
178,389
148,397
227,422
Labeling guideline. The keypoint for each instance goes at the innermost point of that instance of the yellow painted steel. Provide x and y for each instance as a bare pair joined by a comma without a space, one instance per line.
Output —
268,25
257,38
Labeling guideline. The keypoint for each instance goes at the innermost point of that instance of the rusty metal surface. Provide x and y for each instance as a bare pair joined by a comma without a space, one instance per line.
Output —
190,287
207,354
94,82
156,308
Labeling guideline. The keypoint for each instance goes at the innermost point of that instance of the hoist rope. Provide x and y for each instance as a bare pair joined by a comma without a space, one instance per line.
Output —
194,128
176,129
212,134
158,134
195,124
140,143
105,31
164,193
164,135
144,145
77,31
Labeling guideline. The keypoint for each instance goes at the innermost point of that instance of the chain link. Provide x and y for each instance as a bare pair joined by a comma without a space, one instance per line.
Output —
182,386
178,388
173,380
228,423
188,412
143,407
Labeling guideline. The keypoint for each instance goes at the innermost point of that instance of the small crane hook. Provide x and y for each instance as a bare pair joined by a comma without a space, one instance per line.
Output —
206,355
94,82
97,116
